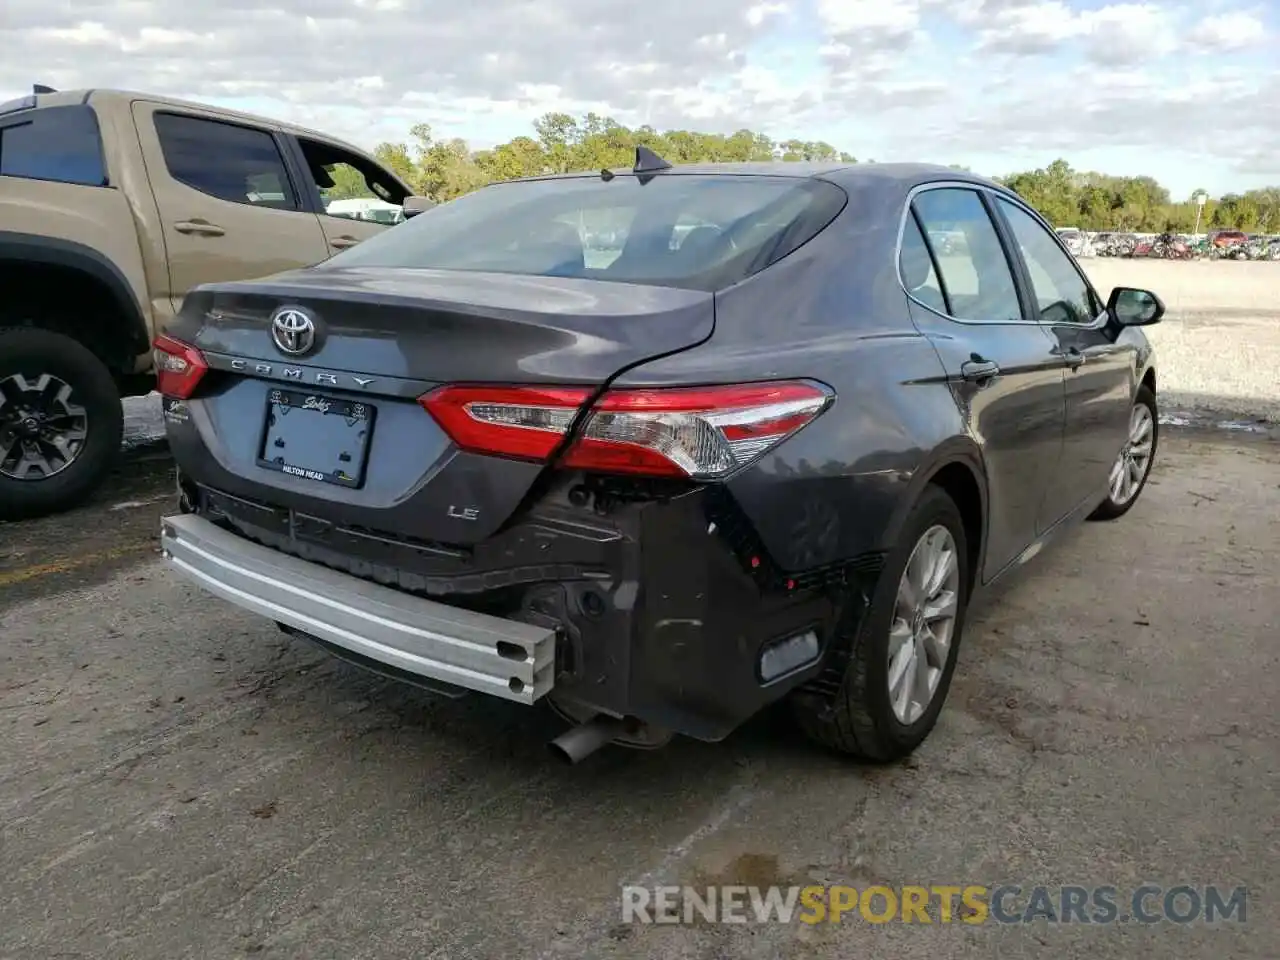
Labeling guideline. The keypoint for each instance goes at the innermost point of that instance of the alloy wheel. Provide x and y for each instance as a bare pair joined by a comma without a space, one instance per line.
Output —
924,619
1134,461
42,429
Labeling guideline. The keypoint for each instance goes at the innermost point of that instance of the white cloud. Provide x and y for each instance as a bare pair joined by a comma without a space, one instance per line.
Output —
1118,32
881,17
1228,32
760,12
1127,31
937,79
1029,29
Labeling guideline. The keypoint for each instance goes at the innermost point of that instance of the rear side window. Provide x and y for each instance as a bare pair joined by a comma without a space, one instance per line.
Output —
53,143
225,160
977,280
919,275
701,232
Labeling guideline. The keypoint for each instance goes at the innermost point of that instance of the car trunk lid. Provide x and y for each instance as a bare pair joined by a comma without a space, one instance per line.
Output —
447,326
337,436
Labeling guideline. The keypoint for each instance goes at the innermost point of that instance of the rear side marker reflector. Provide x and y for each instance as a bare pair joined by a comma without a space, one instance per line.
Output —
696,432
179,367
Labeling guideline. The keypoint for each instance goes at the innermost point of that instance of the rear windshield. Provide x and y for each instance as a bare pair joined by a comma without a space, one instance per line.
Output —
700,232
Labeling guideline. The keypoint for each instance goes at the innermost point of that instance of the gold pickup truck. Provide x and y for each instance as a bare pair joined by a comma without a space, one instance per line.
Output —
113,205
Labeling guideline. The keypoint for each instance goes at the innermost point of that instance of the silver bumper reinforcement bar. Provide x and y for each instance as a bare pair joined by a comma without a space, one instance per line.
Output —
504,658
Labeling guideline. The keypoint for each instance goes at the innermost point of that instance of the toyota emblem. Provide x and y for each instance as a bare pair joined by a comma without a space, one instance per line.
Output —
293,331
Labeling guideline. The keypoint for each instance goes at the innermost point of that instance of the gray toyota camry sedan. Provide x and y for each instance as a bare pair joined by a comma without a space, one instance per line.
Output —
661,446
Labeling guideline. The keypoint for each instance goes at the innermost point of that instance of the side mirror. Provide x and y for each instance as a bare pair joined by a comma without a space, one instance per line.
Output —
415,205
1131,307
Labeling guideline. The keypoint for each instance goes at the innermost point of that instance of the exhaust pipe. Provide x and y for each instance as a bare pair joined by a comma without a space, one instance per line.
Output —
578,743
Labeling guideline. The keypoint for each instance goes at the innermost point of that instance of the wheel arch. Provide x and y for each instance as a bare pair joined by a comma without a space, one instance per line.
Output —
957,467
82,273
1149,379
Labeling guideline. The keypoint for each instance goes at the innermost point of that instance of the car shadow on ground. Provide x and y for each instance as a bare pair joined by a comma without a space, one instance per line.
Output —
520,735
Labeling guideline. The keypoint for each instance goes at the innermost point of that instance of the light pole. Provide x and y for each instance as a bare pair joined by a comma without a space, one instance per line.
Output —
1199,198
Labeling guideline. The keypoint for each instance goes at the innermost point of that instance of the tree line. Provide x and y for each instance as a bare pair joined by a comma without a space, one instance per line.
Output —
444,169
1096,201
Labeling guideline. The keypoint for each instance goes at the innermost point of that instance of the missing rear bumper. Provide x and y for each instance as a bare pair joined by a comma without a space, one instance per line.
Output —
659,608
407,634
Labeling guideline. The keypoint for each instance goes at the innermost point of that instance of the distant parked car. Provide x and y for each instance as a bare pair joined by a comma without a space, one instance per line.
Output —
1075,240
366,208
660,494
1114,244
946,241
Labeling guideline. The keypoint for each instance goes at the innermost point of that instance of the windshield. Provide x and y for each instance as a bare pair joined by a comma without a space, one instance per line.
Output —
694,231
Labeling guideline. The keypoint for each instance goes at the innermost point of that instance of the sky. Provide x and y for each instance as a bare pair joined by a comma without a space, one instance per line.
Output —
1187,91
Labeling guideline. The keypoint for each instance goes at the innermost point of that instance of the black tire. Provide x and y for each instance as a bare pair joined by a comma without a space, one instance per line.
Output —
30,353
1110,508
860,720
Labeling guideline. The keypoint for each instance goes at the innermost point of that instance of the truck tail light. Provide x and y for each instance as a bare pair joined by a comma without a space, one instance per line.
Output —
179,367
696,432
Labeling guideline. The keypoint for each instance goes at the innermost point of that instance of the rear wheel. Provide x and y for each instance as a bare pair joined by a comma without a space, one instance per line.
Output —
1133,464
60,422
903,651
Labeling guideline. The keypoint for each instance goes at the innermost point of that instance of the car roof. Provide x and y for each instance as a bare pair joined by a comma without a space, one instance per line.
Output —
122,98
900,175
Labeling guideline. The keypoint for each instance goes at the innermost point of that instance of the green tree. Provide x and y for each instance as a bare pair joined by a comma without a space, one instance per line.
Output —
396,157
561,143
1238,212
348,184
558,133
521,157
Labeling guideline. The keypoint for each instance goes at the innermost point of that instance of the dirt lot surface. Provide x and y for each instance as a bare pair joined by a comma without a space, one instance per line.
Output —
178,779
1219,351
1222,287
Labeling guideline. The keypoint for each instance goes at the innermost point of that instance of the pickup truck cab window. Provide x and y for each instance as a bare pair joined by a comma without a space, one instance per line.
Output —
342,175
61,144
225,160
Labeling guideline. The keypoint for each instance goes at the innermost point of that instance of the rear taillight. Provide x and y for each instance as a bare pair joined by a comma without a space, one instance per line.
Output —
697,432
179,367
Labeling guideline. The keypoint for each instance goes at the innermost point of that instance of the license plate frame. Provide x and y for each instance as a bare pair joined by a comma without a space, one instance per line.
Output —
358,416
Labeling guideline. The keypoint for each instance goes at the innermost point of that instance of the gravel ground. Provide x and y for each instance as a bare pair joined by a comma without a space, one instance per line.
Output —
179,780
1219,352
1225,287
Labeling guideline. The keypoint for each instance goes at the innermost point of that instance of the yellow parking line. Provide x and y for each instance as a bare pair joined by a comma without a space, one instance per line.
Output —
9,577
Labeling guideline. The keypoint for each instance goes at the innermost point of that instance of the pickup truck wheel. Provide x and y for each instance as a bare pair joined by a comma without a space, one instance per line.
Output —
60,422
902,651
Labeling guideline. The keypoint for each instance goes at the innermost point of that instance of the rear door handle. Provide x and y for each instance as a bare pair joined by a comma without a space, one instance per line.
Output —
1073,357
201,228
978,370
341,243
